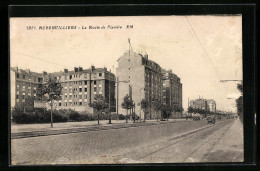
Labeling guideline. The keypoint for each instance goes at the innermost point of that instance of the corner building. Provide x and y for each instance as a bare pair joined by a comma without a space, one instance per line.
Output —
145,78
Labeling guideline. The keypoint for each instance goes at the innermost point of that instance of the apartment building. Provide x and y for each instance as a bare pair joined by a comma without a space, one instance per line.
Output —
23,84
172,91
79,86
145,78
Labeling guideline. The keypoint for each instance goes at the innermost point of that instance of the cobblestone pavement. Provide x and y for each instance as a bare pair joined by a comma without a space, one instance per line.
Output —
105,146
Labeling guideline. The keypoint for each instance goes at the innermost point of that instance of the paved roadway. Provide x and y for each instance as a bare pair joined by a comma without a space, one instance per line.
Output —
180,142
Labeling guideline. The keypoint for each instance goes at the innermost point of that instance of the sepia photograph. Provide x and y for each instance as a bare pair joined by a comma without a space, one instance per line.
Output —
126,90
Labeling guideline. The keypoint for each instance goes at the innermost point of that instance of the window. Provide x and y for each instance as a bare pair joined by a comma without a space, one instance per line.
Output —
70,90
95,82
100,74
60,104
86,82
39,79
65,104
17,97
80,89
129,68
17,75
65,78
70,77
65,96
23,76
70,96
86,89
23,97
70,103
95,89
86,96
80,83
80,103
80,96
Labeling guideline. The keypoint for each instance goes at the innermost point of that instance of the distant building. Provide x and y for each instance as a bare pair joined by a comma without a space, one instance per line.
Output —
172,91
145,78
204,104
78,86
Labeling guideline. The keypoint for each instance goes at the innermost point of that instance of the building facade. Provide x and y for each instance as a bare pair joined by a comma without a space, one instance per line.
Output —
145,78
79,86
148,81
172,91
204,104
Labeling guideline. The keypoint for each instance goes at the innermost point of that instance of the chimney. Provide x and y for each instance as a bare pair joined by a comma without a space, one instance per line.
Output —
15,68
92,68
76,69
65,70
80,69
27,70
44,73
105,69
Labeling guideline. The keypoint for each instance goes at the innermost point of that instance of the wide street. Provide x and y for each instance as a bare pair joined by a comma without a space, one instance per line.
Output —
172,142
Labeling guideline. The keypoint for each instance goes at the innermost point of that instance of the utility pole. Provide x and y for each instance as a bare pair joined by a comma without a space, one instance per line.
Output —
117,84
109,94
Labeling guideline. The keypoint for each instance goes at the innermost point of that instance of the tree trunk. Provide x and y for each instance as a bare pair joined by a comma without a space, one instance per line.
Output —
51,115
98,116
109,117
134,112
144,115
126,116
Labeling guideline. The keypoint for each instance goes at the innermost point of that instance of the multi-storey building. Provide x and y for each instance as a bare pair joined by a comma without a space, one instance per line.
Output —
172,91
211,105
204,104
79,86
23,84
145,78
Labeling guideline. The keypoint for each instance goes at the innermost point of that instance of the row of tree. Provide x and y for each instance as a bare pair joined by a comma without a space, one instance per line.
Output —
239,101
160,108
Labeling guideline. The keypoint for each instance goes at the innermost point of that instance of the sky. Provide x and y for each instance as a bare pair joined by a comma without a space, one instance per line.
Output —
201,50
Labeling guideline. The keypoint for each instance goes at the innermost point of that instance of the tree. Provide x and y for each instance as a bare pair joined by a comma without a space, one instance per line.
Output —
239,101
99,104
190,109
144,106
51,91
157,107
127,104
166,110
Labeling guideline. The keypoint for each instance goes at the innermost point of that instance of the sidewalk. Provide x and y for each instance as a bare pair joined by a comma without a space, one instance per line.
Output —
230,148
32,130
